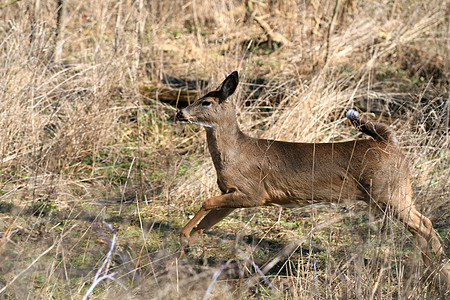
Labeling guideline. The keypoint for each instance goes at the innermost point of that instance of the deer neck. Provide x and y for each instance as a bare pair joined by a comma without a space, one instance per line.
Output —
223,142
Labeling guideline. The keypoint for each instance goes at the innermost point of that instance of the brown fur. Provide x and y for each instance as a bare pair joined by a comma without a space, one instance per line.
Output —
255,172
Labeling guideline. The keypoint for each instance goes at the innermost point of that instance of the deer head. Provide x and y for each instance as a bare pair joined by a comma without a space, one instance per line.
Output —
213,109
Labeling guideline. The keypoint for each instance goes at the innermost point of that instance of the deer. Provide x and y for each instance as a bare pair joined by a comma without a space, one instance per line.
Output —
253,172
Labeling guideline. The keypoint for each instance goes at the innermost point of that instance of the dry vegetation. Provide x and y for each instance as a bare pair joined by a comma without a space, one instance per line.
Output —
81,143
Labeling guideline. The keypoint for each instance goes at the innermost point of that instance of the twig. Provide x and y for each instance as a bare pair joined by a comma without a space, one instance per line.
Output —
295,244
98,279
106,276
223,267
27,268
196,24
214,279
330,30
314,265
35,19
8,3
257,269
59,32
5,234
37,223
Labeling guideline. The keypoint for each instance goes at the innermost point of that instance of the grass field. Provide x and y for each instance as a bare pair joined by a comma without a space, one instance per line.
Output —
87,142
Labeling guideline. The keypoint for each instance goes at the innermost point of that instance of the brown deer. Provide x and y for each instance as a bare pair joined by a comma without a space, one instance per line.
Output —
255,172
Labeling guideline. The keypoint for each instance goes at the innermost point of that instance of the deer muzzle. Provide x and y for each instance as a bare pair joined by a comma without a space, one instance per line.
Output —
180,116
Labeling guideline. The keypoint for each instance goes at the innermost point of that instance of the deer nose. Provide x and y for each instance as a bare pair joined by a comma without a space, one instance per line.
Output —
179,115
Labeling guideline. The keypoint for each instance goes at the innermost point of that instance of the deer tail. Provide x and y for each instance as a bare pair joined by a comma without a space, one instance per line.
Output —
380,132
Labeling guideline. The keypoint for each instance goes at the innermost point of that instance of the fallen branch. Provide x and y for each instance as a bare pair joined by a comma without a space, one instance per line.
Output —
274,36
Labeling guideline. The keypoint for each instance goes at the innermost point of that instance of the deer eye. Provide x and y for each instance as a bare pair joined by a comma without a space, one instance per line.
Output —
206,103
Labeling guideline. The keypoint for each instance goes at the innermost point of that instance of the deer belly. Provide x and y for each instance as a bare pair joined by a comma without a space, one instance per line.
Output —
306,194
288,205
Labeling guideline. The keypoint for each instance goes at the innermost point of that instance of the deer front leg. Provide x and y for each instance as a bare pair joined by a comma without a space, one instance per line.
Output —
220,207
211,219
231,200
186,231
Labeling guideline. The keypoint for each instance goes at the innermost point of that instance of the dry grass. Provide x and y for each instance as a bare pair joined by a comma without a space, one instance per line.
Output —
79,144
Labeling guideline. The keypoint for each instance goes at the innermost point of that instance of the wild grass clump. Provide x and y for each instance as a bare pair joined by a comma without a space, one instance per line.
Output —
81,144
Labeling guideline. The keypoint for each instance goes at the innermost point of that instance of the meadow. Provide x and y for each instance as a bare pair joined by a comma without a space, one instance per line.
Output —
97,178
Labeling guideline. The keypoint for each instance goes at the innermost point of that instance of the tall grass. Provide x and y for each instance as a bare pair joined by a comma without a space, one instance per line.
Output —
79,145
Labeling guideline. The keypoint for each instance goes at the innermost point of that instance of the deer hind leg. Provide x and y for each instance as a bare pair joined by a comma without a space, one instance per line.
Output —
420,226
397,196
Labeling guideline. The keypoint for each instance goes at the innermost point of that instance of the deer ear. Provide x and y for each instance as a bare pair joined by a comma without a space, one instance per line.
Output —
229,86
